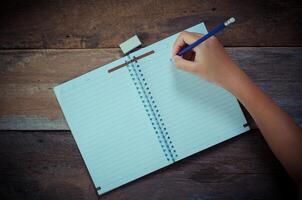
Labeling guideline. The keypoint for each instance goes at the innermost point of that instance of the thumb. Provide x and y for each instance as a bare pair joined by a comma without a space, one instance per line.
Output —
183,64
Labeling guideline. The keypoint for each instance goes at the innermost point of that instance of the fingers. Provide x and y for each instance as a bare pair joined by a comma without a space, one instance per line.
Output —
183,64
184,38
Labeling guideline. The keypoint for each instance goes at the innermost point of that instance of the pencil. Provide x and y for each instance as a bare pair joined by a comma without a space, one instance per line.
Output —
217,29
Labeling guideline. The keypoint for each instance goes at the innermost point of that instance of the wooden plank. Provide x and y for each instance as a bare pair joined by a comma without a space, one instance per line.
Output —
47,165
277,72
99,24
27,77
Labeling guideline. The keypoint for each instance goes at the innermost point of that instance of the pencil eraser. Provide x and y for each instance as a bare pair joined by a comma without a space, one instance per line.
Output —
130,44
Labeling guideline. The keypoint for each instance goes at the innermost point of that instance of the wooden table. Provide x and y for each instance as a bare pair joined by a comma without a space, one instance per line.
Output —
46,43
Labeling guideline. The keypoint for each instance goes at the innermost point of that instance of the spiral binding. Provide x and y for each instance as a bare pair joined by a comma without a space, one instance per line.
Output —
152,110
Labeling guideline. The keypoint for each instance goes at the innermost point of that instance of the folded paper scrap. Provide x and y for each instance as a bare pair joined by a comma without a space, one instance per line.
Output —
130,44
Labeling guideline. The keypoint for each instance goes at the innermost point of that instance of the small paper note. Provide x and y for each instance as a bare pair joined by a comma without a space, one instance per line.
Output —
130,44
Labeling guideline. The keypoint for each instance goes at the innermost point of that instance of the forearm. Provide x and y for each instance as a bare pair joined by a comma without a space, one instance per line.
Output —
282,134
212,63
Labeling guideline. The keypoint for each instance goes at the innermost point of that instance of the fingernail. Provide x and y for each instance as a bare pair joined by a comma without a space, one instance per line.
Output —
175,57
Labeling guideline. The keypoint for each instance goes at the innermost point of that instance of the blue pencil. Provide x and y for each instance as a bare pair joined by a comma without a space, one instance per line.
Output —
217,29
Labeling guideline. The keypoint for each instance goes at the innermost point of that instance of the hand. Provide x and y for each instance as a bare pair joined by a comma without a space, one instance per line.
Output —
208,60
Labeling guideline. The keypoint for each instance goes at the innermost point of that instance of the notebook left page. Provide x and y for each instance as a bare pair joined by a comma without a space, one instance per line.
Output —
110,126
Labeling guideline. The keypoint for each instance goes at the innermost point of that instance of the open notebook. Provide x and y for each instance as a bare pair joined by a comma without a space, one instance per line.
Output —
132,120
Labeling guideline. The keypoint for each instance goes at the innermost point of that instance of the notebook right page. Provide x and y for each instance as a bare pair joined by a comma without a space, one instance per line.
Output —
196,113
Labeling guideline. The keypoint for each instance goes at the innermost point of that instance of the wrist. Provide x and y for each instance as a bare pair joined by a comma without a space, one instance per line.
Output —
237,82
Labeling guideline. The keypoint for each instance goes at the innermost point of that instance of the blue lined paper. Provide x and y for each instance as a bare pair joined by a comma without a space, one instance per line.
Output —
112,128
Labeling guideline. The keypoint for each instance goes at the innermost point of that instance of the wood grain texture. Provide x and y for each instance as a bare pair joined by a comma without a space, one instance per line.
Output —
100,24
47,165
27,77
